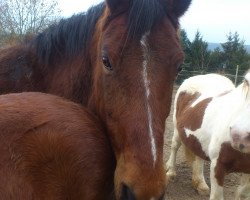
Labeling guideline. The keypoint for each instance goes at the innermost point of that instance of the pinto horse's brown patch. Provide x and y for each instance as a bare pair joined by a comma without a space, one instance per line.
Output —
188,116
191,118
231,160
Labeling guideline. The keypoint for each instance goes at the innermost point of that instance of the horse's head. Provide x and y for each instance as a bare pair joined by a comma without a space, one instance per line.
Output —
136,55
240,127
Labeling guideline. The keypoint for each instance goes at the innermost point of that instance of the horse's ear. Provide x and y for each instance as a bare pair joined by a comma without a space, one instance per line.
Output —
117,5
179,7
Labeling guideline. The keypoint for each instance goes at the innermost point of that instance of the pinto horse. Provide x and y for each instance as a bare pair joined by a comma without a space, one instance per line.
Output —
52,149
210,115
119,59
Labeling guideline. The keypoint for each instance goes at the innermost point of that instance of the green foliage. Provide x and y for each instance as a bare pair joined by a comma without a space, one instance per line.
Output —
234,52
200,60
217,60
197,54
185,43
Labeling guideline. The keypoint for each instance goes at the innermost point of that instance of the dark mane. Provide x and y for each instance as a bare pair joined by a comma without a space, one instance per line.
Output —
67,38
143,15
70,36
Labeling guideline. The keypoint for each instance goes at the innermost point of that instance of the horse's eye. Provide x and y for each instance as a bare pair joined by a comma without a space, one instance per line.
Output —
105,61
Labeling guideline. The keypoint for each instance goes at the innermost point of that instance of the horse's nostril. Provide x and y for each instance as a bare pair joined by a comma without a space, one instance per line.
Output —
162,196
241,146
127,193
235,137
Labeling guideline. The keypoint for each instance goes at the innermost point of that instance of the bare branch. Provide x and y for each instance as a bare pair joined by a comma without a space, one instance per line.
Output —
19,17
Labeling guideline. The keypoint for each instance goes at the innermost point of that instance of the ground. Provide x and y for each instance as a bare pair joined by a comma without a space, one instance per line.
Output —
181,187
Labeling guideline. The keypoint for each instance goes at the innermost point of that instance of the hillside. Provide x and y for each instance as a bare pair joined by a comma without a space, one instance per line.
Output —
212,46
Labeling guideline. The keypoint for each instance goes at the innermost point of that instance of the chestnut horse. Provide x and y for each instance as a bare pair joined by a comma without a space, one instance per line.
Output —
52,149
119,59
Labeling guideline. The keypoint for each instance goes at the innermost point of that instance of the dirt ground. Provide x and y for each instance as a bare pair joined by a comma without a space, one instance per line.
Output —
181,188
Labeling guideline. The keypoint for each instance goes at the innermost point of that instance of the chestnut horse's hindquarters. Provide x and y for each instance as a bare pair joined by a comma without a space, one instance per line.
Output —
52,149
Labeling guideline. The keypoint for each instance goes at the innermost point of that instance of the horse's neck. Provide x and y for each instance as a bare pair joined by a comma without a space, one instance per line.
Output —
72,80
228,105
237,96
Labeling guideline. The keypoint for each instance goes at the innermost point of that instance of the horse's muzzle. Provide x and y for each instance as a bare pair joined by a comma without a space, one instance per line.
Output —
128,194
240,140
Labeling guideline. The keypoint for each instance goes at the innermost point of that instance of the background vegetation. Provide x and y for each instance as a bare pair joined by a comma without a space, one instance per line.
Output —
224,59
21,18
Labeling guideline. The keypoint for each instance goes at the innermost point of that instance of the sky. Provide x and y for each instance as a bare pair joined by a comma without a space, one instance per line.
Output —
213,18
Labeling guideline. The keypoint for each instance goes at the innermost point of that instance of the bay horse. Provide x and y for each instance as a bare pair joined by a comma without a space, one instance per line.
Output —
120,60
207,110
52,148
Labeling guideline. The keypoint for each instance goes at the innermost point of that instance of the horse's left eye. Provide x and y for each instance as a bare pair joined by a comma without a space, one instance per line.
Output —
106,62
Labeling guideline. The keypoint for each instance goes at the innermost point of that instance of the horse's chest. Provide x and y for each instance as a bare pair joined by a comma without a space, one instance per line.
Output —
232,160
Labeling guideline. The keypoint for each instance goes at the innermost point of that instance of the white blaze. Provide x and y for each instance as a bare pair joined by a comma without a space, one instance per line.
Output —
147,91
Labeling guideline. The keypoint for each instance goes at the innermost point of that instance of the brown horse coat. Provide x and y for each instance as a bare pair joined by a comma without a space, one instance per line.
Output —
120,60
52,149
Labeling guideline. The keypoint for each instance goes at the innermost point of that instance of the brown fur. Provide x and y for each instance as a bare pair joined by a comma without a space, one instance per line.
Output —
16,70
118,97
231,160
191,118
125,112
52,149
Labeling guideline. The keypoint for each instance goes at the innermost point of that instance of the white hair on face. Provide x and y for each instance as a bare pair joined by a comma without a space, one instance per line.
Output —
146,81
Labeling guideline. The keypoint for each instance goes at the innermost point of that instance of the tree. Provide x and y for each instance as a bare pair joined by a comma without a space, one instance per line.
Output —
199,53
216,60
19,17
185,43
234,52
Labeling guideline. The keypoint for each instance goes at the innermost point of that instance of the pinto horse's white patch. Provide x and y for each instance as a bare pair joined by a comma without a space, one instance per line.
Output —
247,77
146,81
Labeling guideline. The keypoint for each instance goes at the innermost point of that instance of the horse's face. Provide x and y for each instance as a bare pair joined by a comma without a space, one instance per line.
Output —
240,131
133,79
240,127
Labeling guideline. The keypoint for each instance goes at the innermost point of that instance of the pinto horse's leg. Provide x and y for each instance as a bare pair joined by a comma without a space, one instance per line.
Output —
198,179
243,191
216,189
170,165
